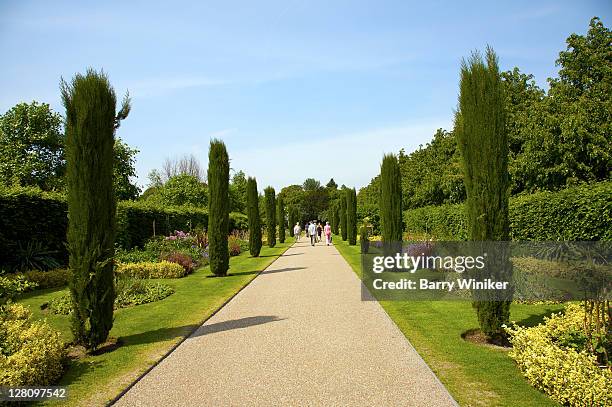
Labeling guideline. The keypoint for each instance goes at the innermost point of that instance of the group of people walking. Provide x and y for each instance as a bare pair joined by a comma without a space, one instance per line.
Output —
315,231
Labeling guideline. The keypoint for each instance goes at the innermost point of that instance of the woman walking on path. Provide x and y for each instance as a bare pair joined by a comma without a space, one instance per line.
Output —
319,231
327,231
296,231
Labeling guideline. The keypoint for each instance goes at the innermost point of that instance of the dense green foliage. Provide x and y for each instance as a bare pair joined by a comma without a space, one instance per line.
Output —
270,198
28,215
280,219
91,119
291,219
32,152
343,220
181,189
33,353
218,207
579,213
390,200
557,138
254,217
351,216
335,218
480,128
32,147
238,192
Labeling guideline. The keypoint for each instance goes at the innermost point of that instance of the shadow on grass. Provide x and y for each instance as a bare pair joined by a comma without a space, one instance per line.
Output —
536,319
157,335
239,323
76,369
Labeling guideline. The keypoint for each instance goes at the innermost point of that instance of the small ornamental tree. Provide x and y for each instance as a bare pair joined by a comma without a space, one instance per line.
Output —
254,218
270,215
91,120
290,220
480,128
343,225
218,207
351,216
280,218
390,203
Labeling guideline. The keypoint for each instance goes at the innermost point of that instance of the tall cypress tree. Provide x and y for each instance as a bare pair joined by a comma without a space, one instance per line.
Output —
280,218
342,205
391,203
290,220
336,217
480,128
270,215
351,216
218,207
91,120
254,219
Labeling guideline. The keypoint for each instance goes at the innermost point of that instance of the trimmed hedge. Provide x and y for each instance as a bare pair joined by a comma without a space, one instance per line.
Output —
578,213
163,269
27,214
46,279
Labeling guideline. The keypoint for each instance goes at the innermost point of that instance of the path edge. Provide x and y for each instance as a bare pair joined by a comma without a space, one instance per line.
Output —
197,326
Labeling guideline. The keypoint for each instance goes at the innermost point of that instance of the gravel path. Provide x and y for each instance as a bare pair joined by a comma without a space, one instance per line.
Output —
299,334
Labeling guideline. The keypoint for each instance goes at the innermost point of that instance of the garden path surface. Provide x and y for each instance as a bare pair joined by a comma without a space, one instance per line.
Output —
299,334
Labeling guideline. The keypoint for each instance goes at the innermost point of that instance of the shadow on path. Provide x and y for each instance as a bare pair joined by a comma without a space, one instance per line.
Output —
283,270
236,324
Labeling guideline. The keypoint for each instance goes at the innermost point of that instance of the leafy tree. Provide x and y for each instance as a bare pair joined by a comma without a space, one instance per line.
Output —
218,207
480,127
311,184
280,219
351,216
270,215
568,132
91,120
32,147
254,218
125,171
331,184
182,189
390,200
32,152
238,192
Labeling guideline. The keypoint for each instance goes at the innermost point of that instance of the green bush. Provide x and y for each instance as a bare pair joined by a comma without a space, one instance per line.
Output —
130,292
31,352
579,213
46,279
568,375
163,269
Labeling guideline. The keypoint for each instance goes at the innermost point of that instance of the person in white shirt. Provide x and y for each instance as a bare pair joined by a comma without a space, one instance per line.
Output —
312,231
296,231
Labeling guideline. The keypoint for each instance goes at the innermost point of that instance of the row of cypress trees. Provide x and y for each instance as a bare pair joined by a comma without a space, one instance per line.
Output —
270,201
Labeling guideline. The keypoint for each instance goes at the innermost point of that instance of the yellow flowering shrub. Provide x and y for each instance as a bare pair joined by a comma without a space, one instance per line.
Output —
163,269
31,352
567,375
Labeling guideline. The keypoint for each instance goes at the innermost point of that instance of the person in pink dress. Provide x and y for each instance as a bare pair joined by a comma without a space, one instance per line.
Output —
327,231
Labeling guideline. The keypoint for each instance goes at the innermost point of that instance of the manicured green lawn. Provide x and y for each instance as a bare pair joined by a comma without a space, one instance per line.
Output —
475,375
149,331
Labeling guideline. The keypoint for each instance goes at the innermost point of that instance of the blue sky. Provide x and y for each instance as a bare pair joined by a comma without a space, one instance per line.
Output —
295,88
